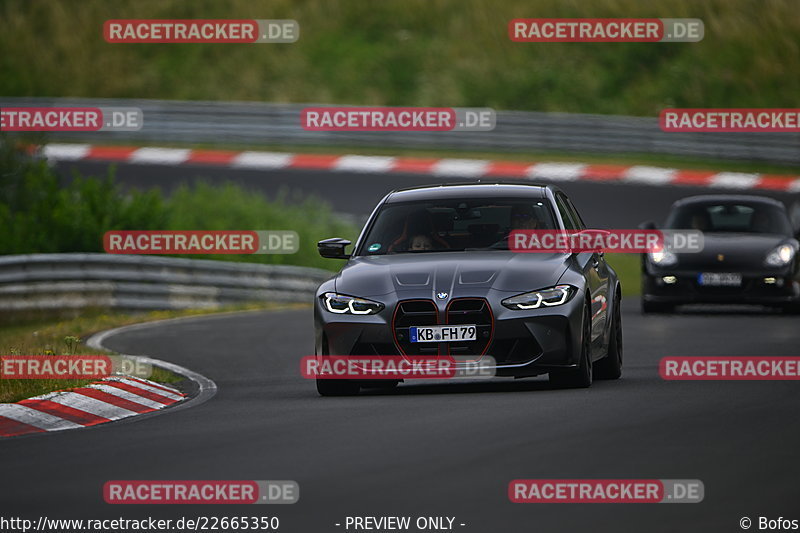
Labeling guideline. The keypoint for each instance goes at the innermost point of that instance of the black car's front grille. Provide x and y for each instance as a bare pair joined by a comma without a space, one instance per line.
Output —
459,311
471,311
414,313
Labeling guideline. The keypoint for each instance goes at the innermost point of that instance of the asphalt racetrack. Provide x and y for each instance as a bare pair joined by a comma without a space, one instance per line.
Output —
439,449
602,205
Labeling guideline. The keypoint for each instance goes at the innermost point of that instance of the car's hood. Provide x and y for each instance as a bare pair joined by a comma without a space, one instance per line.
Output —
733,250
457,273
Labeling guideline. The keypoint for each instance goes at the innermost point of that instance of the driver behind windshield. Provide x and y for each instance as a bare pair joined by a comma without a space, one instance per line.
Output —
418,234
523,218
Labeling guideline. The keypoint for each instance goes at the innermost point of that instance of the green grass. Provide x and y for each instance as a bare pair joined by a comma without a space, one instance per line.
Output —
411,52
628,268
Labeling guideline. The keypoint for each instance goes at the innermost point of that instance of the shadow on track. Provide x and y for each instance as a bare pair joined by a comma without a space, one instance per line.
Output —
473,387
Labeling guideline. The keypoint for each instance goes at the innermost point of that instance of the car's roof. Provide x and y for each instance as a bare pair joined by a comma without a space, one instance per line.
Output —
726,198
468,190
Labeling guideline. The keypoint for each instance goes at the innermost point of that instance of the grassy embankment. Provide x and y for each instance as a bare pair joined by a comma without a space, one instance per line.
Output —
412,52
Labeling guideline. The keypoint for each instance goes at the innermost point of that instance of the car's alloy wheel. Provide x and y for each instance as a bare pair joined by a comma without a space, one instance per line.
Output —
580,377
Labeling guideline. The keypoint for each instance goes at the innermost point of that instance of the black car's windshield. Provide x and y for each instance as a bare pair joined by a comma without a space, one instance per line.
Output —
731,217
453,225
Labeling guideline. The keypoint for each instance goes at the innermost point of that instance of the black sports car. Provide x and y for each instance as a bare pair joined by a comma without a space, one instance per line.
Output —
438,256
749,256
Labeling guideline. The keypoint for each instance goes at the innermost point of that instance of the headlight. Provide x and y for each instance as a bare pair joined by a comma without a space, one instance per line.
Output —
780,256
557,295
663,258
349,305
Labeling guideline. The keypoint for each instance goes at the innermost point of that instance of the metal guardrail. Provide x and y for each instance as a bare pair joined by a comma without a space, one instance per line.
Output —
279,124
134,282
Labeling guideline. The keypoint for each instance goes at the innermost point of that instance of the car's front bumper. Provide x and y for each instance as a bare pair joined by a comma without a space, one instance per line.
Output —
522,343
678,286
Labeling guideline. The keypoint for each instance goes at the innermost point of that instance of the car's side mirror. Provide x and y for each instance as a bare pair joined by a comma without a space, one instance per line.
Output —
333,248
649,225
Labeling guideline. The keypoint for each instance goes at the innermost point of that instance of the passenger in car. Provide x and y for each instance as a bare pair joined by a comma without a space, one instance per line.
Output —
421,243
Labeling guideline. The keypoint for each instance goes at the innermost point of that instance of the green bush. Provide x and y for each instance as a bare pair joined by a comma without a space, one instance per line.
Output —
230,207
38,215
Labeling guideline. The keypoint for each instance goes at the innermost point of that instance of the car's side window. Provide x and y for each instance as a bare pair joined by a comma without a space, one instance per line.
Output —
579,224
569,223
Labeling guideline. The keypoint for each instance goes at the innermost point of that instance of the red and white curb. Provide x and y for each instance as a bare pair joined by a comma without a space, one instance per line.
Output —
112,398
464,168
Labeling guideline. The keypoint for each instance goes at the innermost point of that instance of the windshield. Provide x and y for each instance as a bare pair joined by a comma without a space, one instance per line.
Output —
453,225
731,217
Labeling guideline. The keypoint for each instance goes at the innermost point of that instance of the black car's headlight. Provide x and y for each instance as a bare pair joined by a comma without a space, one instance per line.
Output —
663,258
780,256
560,294
349,305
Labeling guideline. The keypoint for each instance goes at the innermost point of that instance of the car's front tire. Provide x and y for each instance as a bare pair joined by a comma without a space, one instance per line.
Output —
580,377
656,307
337,387
334,387
610,367
792,308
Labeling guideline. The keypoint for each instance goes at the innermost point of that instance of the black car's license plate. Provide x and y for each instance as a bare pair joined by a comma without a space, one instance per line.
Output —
466,332
717,279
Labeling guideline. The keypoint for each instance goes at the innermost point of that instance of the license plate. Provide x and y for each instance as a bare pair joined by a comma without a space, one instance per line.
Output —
714,279
466,332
